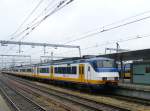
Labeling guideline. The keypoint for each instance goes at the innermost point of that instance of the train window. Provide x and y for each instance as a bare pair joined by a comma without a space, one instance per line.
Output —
74,70
23,70
29,70
99,64
66,70
44,70
107,63
88,68
69,70
56,71
147,70
63,70
38,70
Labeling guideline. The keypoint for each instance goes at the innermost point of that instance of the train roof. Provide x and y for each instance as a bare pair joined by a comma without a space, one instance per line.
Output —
75,60
67,61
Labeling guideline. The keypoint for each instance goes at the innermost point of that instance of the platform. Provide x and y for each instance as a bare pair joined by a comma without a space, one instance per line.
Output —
135,86
3,105
133,90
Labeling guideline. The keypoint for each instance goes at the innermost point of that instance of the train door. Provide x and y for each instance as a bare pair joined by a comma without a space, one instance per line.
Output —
34,71
51,72
81,72
37,71
88,73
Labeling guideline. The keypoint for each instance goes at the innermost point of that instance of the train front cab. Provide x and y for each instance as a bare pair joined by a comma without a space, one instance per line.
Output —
104,72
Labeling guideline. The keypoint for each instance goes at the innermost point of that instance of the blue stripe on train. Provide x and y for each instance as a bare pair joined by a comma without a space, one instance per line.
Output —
106,70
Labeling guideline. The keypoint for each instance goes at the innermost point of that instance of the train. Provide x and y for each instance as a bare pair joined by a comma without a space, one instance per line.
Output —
97,71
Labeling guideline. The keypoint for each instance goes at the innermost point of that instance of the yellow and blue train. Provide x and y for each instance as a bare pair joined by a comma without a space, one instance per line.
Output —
91,71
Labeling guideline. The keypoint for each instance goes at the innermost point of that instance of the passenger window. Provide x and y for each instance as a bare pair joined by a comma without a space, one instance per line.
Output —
69,70
147,70
88,68
74,70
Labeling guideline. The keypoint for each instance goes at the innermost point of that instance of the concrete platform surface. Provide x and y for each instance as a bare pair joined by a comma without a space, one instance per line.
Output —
135,86
3,105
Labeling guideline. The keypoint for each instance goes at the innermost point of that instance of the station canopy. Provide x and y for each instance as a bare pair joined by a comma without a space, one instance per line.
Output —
130,55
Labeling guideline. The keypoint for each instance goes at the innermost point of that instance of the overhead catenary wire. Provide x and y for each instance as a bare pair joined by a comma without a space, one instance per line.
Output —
112,42
79,39
61,5
32,27
120,41
109,43
125,19
29,25
36,24
27,18
17,33
42,12
103,29
113,23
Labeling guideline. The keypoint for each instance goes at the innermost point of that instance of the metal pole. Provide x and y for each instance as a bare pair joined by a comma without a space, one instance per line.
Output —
80,52
52,56
44,50
30,60
117,47
105,50
2,62
19,49
122,76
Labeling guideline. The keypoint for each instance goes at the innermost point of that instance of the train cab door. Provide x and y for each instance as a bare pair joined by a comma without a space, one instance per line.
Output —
34,71
88,73
51,72
81,72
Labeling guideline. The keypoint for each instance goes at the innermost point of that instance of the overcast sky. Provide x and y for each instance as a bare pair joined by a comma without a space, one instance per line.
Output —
74,21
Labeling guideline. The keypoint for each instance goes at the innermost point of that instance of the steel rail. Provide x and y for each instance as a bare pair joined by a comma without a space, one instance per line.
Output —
40,108
9,100
88,103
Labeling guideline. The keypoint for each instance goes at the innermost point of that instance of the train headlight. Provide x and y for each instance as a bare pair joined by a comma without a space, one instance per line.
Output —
104,78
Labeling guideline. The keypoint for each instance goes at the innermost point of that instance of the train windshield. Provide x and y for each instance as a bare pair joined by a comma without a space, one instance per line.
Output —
103,64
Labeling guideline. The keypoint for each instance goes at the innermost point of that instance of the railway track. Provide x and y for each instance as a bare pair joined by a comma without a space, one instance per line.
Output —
17,100
86,104
119,97
129,99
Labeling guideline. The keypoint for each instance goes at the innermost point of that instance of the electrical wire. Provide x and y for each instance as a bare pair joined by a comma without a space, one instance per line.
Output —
91,33
61,5
108,29
13,35
120,41
26,19
43,11
29,25
112,42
